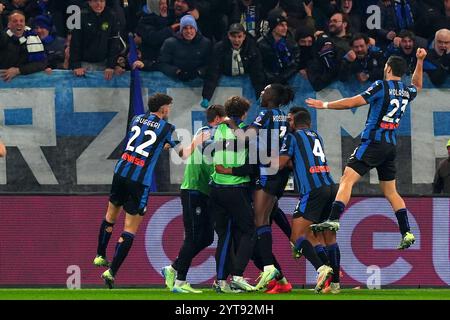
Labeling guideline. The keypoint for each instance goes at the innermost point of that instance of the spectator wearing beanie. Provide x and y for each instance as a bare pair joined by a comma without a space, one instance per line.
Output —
54,46
185,56
96,45
234,56
21,50
280,53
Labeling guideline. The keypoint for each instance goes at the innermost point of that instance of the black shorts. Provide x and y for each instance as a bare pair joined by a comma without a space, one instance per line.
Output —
275,184
133,196
370,155
316,205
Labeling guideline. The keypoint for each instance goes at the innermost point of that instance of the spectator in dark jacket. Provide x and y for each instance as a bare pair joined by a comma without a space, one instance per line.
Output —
185,56
234,56
437,17
406,48
21,50
397,15
299,13
437,63
305,40
280,53
96,45
325,67
54,46
248,14
213,19
363,61
441,182
354,18
153,29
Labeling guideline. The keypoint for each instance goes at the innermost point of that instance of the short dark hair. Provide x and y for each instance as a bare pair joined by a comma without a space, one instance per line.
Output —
296,109
213,111
398,65
236,106
407,34
359,36
156,101
283,94
302,117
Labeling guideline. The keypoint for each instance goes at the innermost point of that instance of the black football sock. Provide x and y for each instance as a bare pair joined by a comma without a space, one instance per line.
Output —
106,229
403,223
122,249
337,209
320,250
335,259
308,251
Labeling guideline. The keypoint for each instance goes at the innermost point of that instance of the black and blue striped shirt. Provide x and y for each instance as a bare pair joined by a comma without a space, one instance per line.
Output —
147,136
388,102
311,170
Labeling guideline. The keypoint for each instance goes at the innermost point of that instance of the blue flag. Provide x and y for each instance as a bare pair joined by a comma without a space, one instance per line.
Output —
136,105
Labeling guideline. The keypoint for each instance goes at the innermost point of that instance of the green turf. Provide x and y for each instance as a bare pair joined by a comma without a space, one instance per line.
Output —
208,294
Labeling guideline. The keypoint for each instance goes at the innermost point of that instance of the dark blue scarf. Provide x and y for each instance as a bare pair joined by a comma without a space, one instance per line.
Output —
403,13
48,39
284,57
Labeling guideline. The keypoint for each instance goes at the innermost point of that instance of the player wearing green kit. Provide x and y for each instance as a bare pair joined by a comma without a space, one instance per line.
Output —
231,203
198,227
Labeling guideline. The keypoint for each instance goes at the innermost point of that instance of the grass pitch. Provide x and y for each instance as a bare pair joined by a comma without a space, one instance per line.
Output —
208,294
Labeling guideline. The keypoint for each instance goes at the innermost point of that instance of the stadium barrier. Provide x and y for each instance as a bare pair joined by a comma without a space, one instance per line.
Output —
64,133
50,240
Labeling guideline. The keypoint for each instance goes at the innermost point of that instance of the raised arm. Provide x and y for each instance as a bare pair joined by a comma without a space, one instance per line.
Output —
346,103
417,77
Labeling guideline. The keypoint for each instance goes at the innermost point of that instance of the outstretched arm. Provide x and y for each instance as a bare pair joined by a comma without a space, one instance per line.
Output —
346,103
185,152
417,77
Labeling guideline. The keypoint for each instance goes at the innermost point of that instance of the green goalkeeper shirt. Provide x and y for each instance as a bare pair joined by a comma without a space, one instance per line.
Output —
197,172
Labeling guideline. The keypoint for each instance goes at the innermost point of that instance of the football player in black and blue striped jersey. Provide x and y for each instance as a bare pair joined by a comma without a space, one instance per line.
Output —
388,101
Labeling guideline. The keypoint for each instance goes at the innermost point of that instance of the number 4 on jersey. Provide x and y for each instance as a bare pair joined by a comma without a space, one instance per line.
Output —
318,150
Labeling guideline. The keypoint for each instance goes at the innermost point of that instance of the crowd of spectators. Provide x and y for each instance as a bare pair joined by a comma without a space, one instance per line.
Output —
270,40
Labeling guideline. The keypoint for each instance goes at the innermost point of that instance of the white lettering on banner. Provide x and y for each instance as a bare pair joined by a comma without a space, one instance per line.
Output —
154,245
93,165
188,100
441,238
353,216
424,144
30,138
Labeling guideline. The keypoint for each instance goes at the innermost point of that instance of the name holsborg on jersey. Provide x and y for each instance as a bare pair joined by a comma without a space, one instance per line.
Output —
399,93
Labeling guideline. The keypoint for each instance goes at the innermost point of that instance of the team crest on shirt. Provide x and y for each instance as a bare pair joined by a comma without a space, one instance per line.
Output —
105,26
258,119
